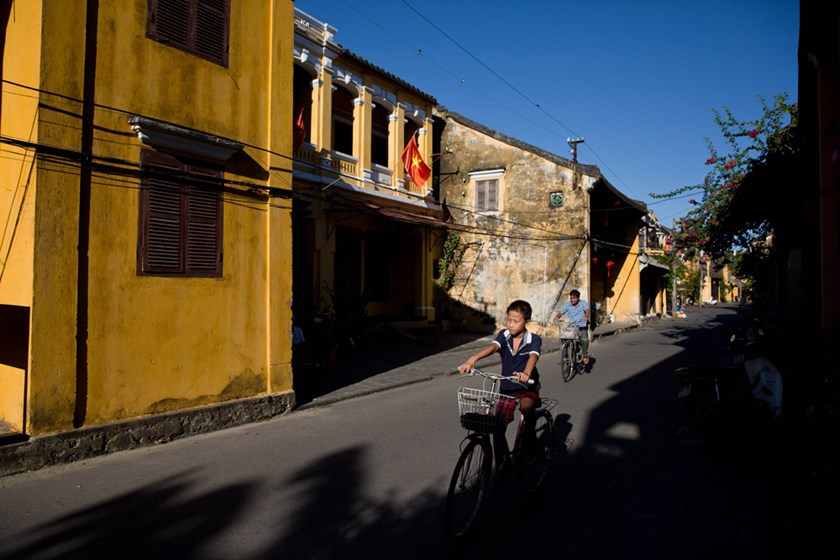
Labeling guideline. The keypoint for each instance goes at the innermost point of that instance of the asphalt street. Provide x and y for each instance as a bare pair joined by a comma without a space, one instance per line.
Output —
364,474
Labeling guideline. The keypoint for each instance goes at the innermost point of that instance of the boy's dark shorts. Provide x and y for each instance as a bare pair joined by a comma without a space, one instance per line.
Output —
507,407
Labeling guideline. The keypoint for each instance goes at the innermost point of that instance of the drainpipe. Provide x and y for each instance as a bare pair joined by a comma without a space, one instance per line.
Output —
83,280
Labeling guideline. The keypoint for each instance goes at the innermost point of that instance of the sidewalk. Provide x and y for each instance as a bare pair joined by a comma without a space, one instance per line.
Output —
439,359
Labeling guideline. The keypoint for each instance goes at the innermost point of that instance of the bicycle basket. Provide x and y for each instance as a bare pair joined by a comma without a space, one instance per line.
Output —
483,411
568,331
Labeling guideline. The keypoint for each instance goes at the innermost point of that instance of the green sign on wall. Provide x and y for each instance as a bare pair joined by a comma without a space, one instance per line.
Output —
555,199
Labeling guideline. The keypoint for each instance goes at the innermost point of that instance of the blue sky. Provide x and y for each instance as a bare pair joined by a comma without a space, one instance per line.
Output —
637,80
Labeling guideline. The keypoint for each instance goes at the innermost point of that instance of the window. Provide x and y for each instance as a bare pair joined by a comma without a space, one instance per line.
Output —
379,136
180,230
487,195
488,189
302,100
342,121
199,27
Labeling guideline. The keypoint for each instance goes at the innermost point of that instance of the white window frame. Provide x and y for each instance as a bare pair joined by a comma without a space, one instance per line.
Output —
483,179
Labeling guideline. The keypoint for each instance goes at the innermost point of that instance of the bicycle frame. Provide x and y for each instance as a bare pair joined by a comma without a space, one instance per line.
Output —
575,365
513,450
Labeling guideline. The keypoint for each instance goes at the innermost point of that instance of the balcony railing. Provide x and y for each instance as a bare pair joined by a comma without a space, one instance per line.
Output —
379,178
343,163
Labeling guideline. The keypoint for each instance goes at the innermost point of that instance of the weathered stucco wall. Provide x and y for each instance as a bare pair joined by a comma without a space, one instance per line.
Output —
153,344
528,249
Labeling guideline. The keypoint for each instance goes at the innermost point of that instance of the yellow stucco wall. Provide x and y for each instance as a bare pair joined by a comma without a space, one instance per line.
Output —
156,344
625,302
17,200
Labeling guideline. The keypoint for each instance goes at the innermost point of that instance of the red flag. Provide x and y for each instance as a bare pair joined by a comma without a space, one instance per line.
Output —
300,132
414,164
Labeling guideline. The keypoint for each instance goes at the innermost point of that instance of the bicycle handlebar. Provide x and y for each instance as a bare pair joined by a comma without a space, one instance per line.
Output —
494,377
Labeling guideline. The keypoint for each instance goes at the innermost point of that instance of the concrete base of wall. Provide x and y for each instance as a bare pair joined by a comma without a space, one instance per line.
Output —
74,445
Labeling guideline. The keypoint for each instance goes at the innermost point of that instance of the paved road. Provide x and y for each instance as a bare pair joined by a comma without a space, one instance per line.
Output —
365,477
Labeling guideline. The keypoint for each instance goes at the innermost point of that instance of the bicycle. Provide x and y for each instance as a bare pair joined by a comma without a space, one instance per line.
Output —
482,415
571,355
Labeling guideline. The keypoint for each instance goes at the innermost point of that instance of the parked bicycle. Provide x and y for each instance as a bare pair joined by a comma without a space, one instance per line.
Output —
482,414
571,354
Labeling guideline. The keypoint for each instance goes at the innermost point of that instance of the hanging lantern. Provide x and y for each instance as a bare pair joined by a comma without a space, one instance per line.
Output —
610,265
595,260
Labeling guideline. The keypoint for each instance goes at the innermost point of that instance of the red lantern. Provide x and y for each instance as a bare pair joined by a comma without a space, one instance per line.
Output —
594,260
610,265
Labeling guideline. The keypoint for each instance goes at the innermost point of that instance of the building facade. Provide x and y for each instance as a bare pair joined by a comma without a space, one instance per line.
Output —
533,225
145,191
520,215
366,235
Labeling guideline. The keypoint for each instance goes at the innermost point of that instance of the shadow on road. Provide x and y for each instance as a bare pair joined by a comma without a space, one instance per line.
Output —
635,487
161,520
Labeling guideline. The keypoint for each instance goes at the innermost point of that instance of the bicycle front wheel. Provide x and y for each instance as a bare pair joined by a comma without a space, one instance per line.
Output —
468,487
536,453
567,359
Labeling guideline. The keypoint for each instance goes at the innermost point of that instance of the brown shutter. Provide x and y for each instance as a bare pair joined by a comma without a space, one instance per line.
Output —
161,252
200,27
203,227
180,218
169,22
211,30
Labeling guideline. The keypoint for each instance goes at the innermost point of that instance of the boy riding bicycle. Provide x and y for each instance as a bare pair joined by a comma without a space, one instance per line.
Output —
520,349
577,311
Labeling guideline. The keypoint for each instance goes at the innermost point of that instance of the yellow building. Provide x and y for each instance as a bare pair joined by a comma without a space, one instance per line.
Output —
365,233
145,195
655,246
617,262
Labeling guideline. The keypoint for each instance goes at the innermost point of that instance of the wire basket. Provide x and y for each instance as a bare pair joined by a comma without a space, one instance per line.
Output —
484,411
567,331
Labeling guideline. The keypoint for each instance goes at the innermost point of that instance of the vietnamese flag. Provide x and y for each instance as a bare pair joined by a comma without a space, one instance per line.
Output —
300,132
414,164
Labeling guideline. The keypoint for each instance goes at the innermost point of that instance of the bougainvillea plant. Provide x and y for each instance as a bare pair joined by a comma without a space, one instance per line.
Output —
739,198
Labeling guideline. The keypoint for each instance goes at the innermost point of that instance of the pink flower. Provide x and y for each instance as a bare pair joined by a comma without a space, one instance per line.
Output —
693,234
729,164
753,133
710,161
692,201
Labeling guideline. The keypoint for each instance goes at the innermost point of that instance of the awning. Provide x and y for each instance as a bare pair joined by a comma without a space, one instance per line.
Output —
408,217
648,261
389,212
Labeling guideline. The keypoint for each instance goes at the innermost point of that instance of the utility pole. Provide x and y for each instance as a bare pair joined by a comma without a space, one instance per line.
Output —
573,142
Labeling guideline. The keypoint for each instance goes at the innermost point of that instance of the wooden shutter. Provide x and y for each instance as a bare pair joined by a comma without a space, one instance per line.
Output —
203,253
180,218
200,27
211,30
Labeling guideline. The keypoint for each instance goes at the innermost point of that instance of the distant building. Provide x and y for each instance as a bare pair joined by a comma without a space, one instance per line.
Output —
533,225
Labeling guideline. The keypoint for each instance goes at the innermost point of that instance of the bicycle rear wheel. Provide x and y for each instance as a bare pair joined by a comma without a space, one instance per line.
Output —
567,360
535,454
468,486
